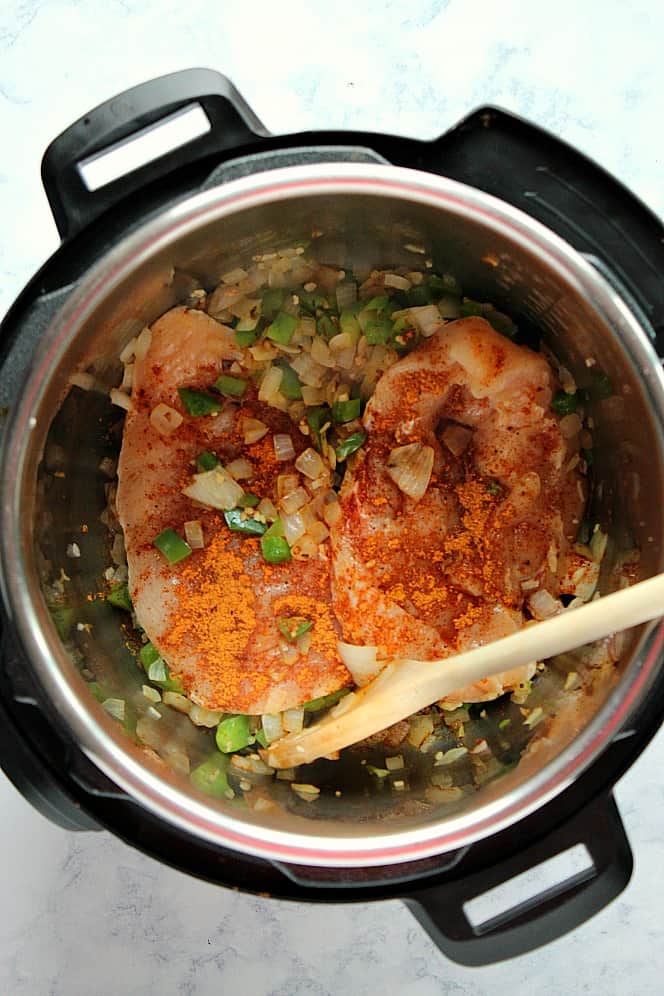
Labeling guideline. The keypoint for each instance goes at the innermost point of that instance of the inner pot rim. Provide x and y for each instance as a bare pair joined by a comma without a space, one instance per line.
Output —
97,736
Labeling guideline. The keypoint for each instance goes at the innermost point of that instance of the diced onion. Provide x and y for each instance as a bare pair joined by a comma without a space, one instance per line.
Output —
311,464
307,325
121,399
204,717
114,707
313,395
394,280
543,605
283,446
598,542
267,509
234,276
320,352
305,549
272,726
427,318
252,430
294,527
129,351
294,501
318,532
293,720
456,438
360,661
177,701
164,419
86,381
240,469
269,389
332,509
286,483
410,468
341,342
127,378
215,488
143,343
193,533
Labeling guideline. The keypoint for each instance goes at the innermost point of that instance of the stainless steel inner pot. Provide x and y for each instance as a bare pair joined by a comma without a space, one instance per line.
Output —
362,215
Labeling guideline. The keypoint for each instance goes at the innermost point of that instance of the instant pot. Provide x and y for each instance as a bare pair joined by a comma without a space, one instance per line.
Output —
523,221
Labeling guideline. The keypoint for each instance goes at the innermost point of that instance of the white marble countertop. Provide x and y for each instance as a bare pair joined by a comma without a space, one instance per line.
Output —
85,914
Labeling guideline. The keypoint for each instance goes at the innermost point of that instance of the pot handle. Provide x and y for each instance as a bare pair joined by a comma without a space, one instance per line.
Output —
548,915
232,124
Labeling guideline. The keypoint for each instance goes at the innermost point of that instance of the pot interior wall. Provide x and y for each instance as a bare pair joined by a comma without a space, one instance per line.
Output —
362,233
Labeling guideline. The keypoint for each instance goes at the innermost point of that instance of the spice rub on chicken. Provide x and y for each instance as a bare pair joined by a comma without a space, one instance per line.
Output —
246,626
463,504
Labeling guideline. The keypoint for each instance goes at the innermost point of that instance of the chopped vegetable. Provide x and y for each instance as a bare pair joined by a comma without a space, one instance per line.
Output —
565,404
172,546
198,403
215,488
326,327
232,387
272,302
240,522
159,673
316,419
293,628
246,337
148,654
346,411
211,776
326,701
282,328
63,618
274,544
193,533
378,330
119,597
233,734
206,461
350,445
410,468
248,501
290,385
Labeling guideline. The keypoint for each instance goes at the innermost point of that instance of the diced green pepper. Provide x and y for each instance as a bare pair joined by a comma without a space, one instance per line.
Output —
293,628
232,387
119,597
233,734
246,337
310,301
376,772
261,738
171,544
63,618
272,302
588,457
326,327
211,777
248,501
316,419
282,328
315,705
501,323
437,285
494,488
206,461
290,385
350,445
504,723
241,523
377,303
198,403
148,654
346,411
348,323
274,544
419,295
565,404
378,331
471,309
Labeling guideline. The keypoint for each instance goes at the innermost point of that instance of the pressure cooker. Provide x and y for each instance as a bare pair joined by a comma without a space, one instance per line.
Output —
523,221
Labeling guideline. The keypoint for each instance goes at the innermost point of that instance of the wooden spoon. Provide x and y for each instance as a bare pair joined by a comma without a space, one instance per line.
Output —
405,686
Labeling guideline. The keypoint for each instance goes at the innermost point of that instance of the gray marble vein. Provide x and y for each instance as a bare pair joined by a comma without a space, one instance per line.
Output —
86,915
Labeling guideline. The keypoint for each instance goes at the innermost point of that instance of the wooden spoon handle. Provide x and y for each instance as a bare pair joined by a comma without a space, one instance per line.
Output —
405,686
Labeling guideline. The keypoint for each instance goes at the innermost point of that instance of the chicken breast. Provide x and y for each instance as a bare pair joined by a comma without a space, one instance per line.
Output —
431,575
214,615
